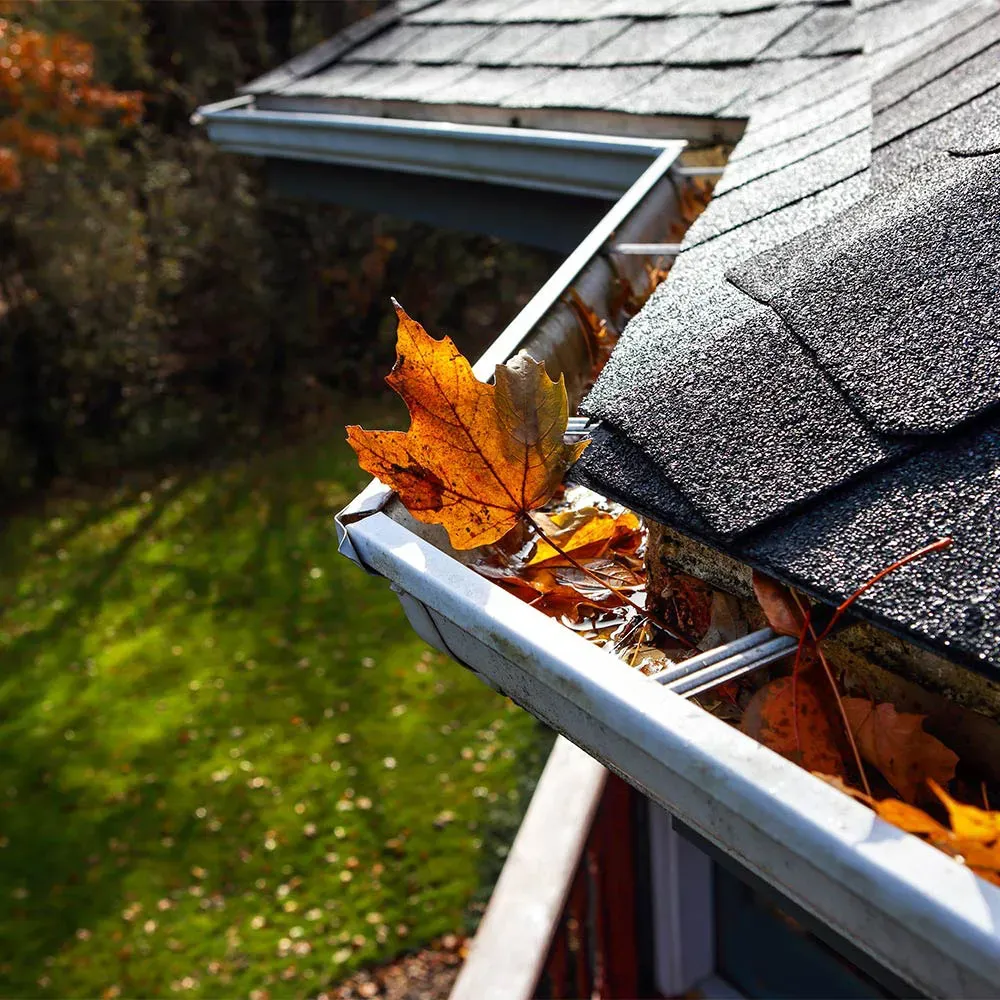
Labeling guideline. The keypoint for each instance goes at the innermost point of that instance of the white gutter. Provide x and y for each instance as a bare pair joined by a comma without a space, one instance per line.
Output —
595,166
916,911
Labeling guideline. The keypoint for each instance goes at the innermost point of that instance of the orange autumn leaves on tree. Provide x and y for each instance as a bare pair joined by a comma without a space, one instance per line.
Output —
477,458
48,96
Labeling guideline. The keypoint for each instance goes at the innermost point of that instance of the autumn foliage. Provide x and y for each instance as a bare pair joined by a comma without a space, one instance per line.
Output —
48,96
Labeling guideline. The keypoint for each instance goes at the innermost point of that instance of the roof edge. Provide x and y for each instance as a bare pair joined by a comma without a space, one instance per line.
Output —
566,162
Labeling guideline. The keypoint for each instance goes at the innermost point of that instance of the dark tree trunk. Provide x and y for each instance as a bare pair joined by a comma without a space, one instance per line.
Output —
278,18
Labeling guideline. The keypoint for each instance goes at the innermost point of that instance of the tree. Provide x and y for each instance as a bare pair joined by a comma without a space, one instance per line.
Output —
49,96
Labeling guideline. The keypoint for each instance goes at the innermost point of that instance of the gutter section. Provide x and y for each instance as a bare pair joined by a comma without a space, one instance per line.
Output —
593,166
929,920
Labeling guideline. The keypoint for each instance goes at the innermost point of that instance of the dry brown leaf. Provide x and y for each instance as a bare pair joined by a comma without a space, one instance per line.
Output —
600,339
792,719
779,606
613,574
973,845
476,457
896,744
584,533
566,590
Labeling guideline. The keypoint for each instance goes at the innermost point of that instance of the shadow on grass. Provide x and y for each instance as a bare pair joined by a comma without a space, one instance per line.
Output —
211,726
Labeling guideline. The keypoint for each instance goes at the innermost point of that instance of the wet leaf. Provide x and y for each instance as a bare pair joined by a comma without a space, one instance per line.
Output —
688,603
567,590
793,720
476,457
779,606
896,744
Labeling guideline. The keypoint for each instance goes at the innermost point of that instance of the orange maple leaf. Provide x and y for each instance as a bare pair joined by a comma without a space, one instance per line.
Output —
895,743
783,613
477,457
969,823
791,717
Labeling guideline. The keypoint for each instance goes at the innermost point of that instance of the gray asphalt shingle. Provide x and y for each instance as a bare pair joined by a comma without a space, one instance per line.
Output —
564,10
404,82
510,45
780,157
741,444
913,263
969,80
724,6
838,74
639,8
764,134
969,129
695,91
489,86
466,11
895,22
894,304
583,88
442,44
389,44
810,33
771,79
651,41
964,36
948,604
570,44
846,158
742,39
334,81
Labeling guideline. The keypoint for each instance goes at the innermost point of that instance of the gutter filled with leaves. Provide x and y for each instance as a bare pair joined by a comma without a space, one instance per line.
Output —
485,462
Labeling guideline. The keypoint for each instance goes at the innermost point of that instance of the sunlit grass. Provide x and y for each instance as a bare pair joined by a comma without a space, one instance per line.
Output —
226,763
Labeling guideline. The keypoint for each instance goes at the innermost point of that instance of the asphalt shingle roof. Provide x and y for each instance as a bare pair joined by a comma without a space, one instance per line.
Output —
712,57
816,387
821,402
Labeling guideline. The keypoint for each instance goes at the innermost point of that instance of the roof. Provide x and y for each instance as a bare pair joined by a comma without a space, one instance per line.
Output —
518,58
819,377
815,387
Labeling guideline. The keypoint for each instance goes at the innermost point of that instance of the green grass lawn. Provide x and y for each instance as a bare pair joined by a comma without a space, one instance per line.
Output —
226,763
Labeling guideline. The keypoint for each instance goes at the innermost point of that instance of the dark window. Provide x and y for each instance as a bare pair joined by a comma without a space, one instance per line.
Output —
764,949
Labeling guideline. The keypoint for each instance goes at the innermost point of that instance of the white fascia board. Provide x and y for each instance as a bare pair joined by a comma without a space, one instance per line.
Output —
566,162
925,917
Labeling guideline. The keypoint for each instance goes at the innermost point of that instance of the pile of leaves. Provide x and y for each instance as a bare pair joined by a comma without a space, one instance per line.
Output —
424,975
869,750
486,462
482,460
